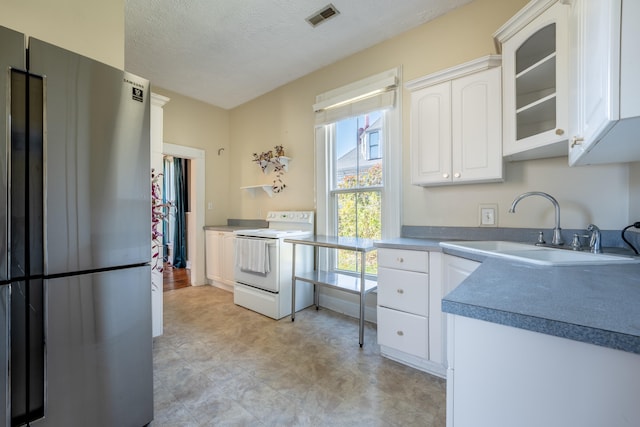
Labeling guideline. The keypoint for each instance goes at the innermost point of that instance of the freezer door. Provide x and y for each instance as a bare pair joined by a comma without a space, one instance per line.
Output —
5,349
97,178
99,350
27,359
12,56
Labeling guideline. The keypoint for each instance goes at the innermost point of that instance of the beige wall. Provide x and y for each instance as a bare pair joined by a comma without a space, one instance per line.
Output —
284,116
634,193
94,28
194,124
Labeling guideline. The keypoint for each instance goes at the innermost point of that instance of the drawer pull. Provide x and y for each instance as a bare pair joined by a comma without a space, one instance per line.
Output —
400,333
400,259
400,291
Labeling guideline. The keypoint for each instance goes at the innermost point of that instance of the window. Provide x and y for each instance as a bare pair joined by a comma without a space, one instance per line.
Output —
373,144
358,166
357,184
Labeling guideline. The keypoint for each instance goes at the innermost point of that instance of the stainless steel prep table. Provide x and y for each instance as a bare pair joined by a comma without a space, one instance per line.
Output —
342,281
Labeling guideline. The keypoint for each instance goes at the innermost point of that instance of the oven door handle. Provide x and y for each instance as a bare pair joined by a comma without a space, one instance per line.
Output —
271,241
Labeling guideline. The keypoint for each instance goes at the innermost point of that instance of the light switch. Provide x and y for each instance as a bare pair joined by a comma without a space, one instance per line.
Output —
488,215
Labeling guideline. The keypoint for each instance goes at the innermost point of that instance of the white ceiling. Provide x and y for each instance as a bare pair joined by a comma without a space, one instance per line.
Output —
228,52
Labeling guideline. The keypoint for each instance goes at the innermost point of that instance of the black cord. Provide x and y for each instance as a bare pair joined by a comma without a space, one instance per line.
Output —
634,225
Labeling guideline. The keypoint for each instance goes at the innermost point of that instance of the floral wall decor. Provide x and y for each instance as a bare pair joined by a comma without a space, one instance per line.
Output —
273,160
159,213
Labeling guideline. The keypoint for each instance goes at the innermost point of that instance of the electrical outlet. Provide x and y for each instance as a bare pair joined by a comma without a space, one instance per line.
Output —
488,215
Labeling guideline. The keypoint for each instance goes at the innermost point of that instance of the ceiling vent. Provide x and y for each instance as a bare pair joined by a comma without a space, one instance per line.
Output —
322,15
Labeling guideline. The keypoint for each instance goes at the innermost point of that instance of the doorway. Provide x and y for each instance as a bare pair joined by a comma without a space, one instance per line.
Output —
196,178
176,194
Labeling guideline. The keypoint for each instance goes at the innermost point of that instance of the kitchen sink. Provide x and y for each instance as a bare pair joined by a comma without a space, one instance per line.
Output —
537,254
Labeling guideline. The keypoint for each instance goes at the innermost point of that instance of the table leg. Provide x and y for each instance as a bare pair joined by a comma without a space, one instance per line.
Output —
293,282
316,289
362,295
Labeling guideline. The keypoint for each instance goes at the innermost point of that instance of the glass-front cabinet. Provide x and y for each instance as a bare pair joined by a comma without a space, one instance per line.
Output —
534,47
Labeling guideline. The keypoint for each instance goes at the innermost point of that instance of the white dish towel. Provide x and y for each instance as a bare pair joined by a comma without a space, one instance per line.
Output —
253,255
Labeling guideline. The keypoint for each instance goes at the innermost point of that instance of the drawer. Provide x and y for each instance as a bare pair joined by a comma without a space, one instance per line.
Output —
403,331
403,290
404,259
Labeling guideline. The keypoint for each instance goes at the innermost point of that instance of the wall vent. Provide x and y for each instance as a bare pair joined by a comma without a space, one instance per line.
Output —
327,12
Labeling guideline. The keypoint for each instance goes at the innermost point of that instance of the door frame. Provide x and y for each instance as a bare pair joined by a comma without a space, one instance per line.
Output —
196,191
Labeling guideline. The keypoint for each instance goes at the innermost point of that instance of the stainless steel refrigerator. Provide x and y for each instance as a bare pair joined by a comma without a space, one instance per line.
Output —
75,221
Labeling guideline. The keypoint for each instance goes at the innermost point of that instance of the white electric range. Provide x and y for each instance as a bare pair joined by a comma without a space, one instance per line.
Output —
263,264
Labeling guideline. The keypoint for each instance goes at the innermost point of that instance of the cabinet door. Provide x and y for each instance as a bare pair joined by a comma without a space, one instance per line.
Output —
595,72
213,247
228,258
476,127
454,271
431,135
535,87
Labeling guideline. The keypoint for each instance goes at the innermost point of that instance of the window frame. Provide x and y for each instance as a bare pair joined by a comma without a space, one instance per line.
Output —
391,189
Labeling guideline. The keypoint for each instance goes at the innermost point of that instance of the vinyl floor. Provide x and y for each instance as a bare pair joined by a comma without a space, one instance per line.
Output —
219,364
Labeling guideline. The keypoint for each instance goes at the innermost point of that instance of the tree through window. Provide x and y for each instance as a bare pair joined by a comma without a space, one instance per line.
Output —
357,184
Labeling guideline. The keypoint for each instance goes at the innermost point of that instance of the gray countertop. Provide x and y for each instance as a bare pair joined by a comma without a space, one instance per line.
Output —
594,304
226,227
414,244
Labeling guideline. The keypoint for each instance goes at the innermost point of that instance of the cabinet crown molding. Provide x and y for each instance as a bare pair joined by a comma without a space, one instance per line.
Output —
518,21
461,70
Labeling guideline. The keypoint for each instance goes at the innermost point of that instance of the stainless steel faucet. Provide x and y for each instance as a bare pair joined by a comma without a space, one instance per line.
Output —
595,242
557,236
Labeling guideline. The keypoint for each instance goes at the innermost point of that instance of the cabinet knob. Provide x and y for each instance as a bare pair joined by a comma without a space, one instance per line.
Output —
576,140
400,291
559,131
400,333
456,175
400,259
445,175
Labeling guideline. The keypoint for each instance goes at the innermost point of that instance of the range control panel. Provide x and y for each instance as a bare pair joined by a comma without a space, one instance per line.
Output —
305,217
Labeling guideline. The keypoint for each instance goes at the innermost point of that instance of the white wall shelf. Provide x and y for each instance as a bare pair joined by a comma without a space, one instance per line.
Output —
268,188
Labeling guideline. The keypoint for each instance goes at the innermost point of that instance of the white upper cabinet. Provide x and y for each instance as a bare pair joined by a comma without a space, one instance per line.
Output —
535,81
456,124
605,81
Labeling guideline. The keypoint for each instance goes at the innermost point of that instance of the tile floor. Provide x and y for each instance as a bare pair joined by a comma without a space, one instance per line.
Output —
218,364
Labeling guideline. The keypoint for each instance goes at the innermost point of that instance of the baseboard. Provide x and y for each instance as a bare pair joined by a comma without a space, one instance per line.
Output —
220,285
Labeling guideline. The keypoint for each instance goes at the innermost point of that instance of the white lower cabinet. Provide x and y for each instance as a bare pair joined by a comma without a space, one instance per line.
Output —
404,306
412,329
506,376
220,258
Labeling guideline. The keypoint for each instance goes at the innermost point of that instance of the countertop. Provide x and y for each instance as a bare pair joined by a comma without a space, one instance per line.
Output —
226,227
594,304
411,243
